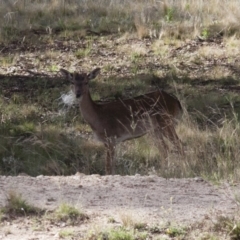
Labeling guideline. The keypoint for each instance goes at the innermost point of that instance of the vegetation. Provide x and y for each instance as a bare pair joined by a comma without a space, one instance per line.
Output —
66,233
222,228
69,214
140,46
182,19
17,206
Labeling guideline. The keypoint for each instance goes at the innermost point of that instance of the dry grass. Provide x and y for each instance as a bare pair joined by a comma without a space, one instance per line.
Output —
182,19
212,151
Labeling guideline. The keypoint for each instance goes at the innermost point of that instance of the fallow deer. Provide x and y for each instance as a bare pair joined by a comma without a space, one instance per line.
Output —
116,121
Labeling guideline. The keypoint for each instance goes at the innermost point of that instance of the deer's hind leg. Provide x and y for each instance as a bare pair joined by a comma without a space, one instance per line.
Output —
170,133
160,142
157,133
166,129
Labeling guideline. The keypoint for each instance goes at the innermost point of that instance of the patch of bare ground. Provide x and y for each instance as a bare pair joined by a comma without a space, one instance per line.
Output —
150,200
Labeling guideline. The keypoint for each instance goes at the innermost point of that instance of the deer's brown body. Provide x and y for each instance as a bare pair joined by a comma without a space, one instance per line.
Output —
121,120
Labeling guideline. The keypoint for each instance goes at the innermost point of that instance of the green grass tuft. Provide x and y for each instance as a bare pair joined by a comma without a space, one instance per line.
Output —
17,206
68,213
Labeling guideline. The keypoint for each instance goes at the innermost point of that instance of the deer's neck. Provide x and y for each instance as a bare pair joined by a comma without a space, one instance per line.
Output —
88,109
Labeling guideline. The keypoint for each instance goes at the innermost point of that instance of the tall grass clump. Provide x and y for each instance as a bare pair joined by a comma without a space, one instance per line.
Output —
212,150
49,151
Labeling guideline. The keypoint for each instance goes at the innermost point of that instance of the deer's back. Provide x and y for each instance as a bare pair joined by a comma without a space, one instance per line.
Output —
130,117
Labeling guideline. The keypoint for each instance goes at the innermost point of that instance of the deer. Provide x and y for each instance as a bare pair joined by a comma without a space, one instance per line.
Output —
125,119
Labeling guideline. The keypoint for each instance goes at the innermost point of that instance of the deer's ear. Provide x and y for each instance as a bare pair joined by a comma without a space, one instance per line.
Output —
93,73
67,75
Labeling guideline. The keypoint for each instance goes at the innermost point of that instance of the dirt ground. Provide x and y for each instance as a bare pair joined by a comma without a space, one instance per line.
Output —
147,199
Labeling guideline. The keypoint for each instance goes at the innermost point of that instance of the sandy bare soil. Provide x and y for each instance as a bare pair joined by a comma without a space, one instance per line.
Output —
148,199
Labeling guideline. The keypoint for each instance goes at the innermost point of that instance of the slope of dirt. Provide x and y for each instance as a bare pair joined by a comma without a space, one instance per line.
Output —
148,199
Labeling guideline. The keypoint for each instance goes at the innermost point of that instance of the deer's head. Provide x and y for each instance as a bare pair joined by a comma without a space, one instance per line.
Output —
80,80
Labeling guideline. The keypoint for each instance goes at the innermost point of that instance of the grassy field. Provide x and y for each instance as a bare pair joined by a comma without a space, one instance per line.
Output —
188,48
